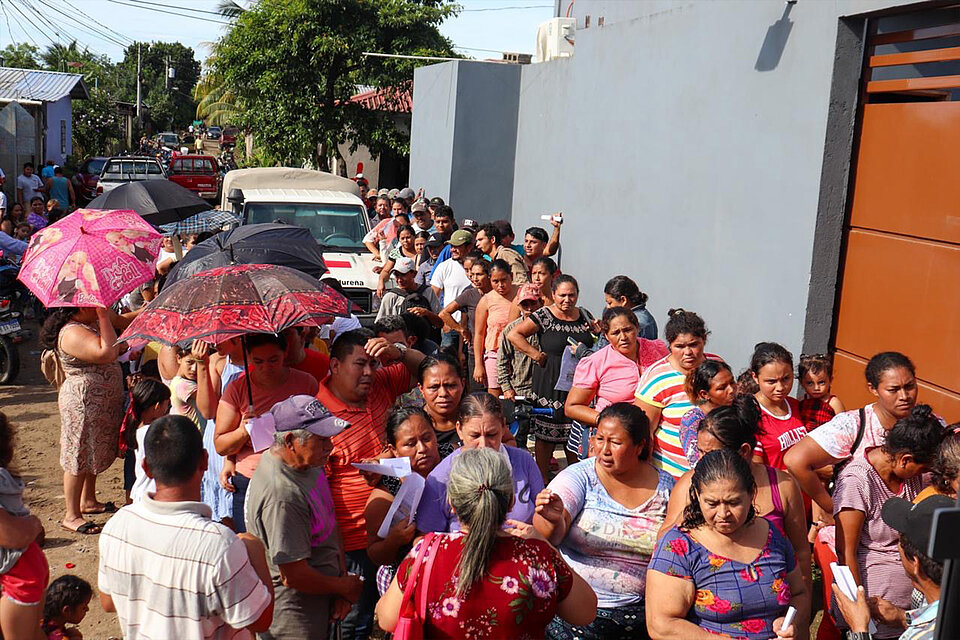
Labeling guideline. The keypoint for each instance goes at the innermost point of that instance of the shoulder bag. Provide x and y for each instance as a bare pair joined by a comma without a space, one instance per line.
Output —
414,615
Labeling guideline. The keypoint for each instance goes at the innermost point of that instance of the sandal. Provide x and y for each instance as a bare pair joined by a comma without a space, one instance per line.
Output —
108,507
86,529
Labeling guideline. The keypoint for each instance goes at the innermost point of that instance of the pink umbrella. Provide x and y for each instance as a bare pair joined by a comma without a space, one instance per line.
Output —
91,258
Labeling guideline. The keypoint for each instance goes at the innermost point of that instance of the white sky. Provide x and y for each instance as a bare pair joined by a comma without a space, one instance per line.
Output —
484,24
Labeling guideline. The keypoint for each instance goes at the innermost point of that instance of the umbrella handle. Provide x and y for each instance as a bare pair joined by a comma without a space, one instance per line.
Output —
246,369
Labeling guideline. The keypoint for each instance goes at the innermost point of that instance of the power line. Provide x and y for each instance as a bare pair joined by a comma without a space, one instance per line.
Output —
32,23
531,6
173,13
91,18
9,30
174,6
85,28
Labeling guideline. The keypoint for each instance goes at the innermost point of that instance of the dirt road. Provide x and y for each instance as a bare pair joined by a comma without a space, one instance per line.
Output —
31,406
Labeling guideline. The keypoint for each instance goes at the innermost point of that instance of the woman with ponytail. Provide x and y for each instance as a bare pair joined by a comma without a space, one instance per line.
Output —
149,399
485,581
723,570
778,496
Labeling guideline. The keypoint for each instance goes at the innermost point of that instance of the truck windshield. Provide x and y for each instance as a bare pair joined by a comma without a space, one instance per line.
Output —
334,225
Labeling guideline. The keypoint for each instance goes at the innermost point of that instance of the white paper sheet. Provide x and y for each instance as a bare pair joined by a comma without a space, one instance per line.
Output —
843,578
405,503
396,467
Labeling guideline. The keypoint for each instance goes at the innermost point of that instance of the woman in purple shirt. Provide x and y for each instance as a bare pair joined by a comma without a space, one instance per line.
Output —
481,425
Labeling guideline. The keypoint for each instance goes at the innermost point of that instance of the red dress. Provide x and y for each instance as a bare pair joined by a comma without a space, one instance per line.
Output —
779,433
517,598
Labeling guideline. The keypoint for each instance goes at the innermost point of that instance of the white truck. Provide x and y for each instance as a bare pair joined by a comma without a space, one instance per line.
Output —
328,205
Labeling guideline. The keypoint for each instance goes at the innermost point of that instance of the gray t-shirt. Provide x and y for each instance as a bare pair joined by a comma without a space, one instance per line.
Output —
11,501
468,301
292,512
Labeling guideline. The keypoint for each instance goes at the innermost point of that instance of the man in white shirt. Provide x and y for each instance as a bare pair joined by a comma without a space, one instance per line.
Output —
450,278
166,568
29,185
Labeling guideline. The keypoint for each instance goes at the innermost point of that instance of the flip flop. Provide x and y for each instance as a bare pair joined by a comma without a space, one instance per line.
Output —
108,507
84,529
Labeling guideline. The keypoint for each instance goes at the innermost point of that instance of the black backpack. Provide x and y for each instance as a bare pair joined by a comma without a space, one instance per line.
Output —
416,299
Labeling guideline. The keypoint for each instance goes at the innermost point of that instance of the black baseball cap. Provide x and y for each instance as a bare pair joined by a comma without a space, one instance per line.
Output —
914,520
436,240
437,200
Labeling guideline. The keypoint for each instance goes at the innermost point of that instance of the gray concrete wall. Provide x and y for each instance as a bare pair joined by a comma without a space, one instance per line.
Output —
57,112
464,137
432,128
684,142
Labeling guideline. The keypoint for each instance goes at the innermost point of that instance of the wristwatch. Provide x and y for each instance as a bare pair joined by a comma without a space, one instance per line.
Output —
859,635
402,348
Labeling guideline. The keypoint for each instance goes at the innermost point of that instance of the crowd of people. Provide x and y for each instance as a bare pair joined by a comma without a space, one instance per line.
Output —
688,501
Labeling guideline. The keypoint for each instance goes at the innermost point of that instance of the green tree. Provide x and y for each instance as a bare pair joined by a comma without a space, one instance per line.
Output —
170,106
96,124
21,56
97,70
293,65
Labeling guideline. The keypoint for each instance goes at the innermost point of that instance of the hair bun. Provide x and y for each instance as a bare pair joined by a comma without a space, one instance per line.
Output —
676,312
922,412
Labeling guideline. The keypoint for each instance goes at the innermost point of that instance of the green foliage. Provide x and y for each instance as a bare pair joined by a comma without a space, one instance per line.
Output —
96,124
22,56
172,107
292,66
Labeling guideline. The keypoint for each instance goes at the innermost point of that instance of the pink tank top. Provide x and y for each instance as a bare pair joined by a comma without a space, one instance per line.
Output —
498,312
776,515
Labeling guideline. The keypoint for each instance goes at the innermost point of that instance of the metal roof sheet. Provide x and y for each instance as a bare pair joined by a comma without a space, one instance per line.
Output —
45,86
308,196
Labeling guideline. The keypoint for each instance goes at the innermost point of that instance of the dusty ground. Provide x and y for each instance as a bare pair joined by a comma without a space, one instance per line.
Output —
31,406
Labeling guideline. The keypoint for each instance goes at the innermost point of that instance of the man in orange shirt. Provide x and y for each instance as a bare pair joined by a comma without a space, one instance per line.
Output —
367,375
301,357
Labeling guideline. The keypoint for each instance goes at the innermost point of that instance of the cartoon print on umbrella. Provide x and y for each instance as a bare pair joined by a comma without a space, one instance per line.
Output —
77,280
131,241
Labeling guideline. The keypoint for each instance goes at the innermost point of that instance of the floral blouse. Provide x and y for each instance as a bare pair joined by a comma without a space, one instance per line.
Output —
517,597
733,598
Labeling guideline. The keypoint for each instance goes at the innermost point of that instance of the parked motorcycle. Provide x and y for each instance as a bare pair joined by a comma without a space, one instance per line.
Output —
11,333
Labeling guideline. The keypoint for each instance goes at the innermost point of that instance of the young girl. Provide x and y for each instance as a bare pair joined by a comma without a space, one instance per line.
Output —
24,572
780,424
493,314
815,373
709,386
183,389
149,399
67,602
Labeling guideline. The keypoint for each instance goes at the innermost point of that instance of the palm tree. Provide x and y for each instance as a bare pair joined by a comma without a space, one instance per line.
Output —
216,103
230,9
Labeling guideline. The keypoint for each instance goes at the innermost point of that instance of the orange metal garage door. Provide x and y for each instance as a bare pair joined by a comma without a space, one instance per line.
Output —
900,283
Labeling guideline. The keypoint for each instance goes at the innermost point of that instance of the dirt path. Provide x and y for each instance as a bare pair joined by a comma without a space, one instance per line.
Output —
31,406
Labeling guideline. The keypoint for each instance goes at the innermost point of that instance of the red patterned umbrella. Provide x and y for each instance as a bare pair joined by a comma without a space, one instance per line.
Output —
225,302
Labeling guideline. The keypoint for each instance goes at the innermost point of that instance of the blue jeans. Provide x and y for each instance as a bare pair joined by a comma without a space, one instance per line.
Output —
359,622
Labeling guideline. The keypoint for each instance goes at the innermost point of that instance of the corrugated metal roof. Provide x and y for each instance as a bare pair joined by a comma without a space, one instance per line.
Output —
45,86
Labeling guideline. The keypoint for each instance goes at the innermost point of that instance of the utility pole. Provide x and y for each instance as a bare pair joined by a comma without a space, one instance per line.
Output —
139,101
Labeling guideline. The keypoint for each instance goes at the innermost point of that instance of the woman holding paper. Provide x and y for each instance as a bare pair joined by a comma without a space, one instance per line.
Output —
865,543
410,435
724,570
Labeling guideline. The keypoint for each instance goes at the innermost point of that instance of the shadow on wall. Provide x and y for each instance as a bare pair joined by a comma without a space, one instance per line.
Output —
775,41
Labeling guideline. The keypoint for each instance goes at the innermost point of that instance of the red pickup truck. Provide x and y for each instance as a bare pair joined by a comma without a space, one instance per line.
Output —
197,173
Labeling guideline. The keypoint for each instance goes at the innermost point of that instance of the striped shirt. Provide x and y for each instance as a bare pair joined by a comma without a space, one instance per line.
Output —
661,386
364,439
174,573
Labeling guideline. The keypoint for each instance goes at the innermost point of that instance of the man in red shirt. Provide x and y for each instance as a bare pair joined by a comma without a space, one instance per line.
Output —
367,375
300,356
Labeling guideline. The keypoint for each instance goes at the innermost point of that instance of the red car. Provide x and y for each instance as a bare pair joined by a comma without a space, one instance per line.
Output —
229,137
86,178
197,173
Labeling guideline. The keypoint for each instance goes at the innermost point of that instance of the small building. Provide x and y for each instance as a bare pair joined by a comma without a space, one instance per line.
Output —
389,169
36,121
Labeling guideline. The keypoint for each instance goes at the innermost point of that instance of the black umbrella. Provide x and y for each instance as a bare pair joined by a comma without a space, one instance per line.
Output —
157,201
281,244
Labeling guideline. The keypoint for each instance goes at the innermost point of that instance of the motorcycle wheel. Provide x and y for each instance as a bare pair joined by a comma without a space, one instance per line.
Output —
9,361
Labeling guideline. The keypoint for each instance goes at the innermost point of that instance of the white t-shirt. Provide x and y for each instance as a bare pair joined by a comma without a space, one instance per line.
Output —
143,483
3,201
30,187
451,278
